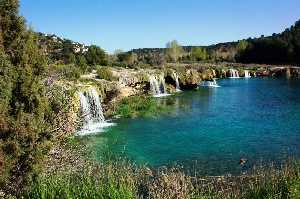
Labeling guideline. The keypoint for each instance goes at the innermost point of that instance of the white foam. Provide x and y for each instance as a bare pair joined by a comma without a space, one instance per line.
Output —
161,95
212,84
94,128
93,120
234,74
247,74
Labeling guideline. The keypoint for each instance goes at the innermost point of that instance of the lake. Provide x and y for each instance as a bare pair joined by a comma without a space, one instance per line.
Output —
209,130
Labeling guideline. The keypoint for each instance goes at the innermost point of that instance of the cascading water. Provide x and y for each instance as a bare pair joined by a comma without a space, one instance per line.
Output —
154,85
212,83
85,108
214,73
158,86
96,107
162,84
177,82
93,120
234,73
247,74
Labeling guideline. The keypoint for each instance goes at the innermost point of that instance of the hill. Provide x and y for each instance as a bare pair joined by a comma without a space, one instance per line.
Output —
282,48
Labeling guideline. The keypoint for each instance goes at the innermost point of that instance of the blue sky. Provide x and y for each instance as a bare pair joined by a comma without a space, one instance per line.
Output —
127,24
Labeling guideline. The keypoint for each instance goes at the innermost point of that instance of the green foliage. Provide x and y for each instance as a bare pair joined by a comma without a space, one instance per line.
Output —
128,59
281,48
82,63
174,51
6,84
11,25
295,189
23,134
242,45
111,181
275,184
144,58
199,54
79,186
70,71
105,73
139,106
96,56
71,59
120,179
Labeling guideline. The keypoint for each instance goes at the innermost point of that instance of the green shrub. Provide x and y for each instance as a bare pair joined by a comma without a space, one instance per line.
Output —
70,71
139,106
105,73
23,134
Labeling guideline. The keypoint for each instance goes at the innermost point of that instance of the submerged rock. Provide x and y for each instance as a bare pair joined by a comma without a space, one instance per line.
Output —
243,161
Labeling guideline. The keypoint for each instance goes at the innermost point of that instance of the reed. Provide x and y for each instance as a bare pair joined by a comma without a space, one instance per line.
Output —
122,179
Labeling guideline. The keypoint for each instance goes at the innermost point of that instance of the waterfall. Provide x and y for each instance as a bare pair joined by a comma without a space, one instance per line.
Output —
214,73
162,84
93,120
234,73
158,86
177,82
247,74
85,108
212,83
154,85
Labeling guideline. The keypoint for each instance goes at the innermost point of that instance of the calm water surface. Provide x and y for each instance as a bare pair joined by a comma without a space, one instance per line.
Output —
211,129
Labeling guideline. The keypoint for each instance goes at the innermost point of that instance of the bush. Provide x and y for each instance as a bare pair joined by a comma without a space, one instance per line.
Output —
139,106
70,72
105,73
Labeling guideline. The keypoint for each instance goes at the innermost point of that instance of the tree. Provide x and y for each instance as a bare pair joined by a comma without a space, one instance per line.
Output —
242,45
71,58
81,61
132,58
128,58
67,52
11,24
96,56
6,83
199,54
23,105
174,51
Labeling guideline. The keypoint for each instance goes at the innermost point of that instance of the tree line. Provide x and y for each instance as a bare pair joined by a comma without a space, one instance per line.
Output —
283,48
280,48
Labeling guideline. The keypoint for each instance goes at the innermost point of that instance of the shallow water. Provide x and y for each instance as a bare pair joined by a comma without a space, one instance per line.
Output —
209,130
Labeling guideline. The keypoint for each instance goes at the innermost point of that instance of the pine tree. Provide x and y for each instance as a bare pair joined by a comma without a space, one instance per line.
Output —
11,24
23,105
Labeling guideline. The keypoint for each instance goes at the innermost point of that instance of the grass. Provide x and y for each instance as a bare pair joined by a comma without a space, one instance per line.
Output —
139,106
115,180
120,179
79,186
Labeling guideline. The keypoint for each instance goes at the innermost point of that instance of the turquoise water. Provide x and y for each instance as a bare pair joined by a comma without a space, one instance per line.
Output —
209,130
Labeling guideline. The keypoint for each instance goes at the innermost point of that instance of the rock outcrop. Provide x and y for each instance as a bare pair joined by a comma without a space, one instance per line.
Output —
129,82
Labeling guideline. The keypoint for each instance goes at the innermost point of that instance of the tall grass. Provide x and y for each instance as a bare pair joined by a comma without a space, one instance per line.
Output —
124,180
115,180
